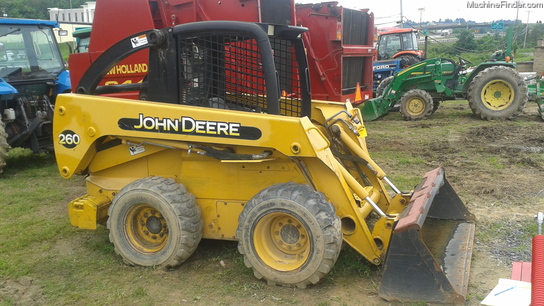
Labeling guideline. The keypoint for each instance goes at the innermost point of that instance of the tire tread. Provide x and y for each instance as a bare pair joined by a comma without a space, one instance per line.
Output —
183,205
473,94
324,213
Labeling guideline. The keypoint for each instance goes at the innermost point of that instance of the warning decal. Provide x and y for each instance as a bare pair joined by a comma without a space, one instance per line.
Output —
138,41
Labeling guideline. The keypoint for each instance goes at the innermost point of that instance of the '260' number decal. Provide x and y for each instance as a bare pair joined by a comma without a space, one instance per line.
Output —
69,139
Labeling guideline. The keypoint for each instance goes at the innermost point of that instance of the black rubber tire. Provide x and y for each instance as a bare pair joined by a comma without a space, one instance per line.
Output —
436,105
154,222
408,60
3,146
289,235
501,105
416,104
381,87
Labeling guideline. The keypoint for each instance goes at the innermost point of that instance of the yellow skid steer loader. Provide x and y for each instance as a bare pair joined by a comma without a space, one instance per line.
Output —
225,143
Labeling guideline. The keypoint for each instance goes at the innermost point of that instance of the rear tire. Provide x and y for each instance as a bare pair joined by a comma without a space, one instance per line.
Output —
497,93
416,104
408,60
3,146
289,235
383,85
154,222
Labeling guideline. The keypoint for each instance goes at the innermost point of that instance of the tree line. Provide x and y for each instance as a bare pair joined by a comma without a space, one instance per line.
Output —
481,50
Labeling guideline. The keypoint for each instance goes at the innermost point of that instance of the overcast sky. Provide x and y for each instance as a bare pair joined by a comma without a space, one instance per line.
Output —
388,11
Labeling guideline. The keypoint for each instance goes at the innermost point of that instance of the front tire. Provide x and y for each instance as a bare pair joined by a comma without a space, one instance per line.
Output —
497,92
289,235
3,146
154,222
416,104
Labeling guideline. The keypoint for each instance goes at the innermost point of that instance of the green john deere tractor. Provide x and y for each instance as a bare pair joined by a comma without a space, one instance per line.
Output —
536,93
494,89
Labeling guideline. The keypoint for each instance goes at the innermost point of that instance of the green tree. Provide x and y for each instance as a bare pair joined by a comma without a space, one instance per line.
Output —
536,32
465,42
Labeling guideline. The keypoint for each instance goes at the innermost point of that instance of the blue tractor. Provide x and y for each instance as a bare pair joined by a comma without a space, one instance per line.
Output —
32,73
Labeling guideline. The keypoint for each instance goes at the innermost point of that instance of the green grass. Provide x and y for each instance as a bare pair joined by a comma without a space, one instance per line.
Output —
519,232
524,55
495,162
73,266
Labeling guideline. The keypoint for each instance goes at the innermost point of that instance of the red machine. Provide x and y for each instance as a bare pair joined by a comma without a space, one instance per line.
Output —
399,43
339,43
340,48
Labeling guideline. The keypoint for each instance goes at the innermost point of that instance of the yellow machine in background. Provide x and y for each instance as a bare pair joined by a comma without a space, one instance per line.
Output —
225,143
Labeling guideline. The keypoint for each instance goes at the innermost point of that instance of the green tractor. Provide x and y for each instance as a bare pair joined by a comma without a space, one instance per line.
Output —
536,93
494,89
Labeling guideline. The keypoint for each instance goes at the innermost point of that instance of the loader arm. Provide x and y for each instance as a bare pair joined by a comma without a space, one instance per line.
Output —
433,75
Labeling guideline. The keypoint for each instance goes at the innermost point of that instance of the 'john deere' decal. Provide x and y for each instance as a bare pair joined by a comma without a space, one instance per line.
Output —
190,126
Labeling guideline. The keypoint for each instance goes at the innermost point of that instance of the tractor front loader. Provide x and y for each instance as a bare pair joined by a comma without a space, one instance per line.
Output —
494,90
226,143
536,93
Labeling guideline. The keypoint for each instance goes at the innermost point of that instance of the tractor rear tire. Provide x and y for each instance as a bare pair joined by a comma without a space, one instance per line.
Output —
416,104
408,60
154,222
497,93
3,146
383,85
289,235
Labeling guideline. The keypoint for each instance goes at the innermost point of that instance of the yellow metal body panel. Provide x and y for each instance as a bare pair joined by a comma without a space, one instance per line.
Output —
116,141
85,211
92,115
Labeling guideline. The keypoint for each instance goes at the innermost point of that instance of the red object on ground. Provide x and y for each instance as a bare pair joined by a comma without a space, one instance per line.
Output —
521,271
537,278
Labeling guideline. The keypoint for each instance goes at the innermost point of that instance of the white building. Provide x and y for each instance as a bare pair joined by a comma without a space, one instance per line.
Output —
84,14
72,19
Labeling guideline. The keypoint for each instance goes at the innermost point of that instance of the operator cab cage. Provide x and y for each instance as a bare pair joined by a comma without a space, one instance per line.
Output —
394,42
221,64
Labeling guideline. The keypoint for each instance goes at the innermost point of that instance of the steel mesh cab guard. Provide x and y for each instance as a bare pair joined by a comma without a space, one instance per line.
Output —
223,64
227,133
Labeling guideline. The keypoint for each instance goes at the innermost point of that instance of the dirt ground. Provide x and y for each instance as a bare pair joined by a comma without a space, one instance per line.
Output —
497,168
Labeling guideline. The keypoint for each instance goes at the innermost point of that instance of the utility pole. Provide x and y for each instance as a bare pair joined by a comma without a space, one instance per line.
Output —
526,29
421,10
517,11
401,16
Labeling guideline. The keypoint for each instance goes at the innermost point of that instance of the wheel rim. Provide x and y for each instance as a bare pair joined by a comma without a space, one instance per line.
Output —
415,106
282,242
497,95
146,229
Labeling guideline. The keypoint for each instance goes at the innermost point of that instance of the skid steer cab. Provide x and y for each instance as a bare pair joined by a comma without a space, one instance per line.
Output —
225,143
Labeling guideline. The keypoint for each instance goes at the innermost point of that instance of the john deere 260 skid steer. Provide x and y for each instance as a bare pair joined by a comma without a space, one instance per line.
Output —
225,143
